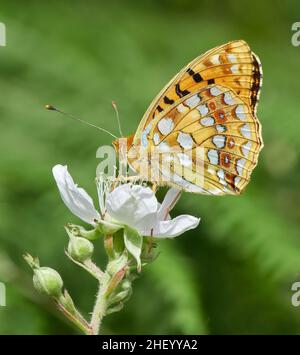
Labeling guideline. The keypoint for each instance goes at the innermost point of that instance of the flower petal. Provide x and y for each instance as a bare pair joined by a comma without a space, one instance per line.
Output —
75,198
175,227
133,205
168,203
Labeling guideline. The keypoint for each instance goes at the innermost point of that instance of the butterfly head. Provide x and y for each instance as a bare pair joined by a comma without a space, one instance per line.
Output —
125,142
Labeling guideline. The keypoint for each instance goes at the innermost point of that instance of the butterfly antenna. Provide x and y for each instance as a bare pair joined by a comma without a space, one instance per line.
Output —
114,105
52,108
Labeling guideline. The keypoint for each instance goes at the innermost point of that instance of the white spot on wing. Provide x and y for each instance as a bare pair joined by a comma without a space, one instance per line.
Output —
246,131
185,140
219,141
215,91
165,125
144,139
231,57
156,138
181,108
235,69
246,148
192,101
221,128
146,131
203,110
207,121
148,128
221,176
215,59
240,165
240,112
228,98
237,179
213,156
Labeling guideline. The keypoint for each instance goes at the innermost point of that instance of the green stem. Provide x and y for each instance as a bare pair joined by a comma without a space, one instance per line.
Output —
99,309
89,266
80,323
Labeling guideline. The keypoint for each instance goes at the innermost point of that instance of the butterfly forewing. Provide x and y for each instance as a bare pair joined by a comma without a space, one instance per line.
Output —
232,64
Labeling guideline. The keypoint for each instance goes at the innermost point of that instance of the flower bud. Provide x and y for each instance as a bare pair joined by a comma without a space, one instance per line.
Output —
122,296
126,284
80,249
48,281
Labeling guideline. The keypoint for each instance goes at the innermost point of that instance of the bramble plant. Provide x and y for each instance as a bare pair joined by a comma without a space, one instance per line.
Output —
130,220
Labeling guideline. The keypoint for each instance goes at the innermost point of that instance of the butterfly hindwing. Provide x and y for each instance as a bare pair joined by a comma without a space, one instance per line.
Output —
214,140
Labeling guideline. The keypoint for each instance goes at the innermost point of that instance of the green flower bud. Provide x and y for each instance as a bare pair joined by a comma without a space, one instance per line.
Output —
80,249
122,296
115,308
47,281
126,284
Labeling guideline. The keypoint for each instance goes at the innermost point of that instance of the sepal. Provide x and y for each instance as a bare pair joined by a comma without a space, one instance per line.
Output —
79,231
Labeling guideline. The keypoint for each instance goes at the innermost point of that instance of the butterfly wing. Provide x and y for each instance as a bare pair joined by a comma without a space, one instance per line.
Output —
209,142
232,64
207,115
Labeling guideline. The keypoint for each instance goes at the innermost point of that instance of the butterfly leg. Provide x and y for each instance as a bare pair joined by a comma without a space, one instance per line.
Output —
126,179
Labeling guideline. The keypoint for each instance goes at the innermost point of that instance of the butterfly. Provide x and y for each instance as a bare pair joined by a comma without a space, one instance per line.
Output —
209,105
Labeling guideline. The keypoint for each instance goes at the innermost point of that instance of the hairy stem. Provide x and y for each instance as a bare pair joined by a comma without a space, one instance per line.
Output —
99,309
106,287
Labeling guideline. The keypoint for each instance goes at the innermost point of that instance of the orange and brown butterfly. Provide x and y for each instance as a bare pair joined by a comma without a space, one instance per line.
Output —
211,104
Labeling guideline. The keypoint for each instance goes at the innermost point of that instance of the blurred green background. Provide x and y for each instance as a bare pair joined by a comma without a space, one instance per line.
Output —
233,274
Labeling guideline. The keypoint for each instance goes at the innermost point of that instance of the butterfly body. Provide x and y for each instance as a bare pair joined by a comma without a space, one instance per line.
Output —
201,133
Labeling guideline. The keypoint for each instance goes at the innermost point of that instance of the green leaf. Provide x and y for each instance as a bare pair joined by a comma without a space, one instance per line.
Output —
133,243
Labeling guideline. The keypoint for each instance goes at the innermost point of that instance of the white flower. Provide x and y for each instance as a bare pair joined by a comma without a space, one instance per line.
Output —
129,205
74,197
